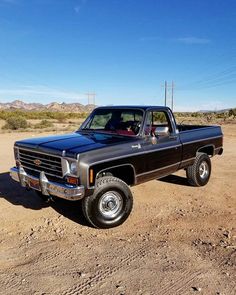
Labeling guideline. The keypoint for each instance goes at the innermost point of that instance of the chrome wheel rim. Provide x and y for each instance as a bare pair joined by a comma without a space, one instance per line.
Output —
203,170
110,204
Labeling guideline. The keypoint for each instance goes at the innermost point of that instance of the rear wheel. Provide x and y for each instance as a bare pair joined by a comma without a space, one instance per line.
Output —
199,173
110,205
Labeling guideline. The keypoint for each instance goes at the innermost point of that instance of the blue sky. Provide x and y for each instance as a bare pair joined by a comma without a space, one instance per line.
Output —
123,50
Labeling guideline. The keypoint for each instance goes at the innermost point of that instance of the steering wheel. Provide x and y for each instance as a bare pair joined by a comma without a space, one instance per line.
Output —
136,126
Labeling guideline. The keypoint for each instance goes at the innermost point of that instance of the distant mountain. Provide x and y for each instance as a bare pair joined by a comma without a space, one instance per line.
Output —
53,106
212,111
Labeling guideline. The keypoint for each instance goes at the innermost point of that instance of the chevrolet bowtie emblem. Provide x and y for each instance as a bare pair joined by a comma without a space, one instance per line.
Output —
37,162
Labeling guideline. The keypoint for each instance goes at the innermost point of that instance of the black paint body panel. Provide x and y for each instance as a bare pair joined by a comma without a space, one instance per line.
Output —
145,159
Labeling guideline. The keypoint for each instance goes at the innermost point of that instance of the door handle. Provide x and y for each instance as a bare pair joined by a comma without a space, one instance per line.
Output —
136,146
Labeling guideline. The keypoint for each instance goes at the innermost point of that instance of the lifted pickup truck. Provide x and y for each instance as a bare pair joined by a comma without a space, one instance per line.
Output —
115,148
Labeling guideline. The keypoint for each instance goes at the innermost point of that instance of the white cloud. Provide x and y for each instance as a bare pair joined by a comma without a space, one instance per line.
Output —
211,105
193,40
41,93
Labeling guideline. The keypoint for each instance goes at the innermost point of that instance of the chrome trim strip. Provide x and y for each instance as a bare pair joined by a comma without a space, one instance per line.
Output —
36,151
121,165
68,192
125,156
55,164
26,167
188,142
150,151
202,127
156,170
187,160
41,166
35,157
64,169
135,154
219,147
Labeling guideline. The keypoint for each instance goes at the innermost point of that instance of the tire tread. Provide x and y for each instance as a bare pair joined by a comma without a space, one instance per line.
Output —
103,181
192,171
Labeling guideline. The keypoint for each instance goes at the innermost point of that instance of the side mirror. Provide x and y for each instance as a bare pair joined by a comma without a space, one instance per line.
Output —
162,131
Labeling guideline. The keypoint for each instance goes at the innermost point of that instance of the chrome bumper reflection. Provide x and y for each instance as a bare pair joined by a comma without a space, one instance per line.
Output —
47,187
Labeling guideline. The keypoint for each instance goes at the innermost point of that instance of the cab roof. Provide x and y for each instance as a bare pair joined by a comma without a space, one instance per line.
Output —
142,107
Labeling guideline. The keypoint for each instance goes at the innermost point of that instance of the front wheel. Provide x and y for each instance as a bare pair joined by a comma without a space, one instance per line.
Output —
110,205
199,173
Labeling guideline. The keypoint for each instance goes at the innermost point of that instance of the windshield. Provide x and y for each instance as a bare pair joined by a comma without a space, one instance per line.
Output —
120,121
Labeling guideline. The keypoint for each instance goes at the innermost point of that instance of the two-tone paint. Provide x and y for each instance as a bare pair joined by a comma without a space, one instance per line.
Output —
135,159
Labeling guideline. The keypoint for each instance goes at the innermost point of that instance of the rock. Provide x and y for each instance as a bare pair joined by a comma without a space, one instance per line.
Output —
82,274
226,234
196,289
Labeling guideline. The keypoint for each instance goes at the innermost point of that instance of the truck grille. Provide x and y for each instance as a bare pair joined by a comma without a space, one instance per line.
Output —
37,162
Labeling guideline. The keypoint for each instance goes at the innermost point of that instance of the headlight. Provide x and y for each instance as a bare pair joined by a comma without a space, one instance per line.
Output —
73,168
69,166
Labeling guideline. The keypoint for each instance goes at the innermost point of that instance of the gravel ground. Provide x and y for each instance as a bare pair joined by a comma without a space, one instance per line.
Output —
178,239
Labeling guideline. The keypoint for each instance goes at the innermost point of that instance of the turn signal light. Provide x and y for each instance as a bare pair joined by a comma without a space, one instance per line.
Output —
72,180
91,176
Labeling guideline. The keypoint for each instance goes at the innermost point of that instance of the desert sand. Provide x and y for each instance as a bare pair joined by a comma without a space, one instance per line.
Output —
178,240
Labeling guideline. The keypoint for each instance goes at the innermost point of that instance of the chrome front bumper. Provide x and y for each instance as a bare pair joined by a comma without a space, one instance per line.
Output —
64,191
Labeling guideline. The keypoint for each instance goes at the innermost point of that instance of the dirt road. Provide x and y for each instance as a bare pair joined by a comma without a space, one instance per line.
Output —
178,239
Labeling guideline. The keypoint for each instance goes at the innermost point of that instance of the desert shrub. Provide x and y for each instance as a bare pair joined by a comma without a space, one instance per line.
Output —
232,112
196,114
159,117
33,115
61,117
43,124
15,123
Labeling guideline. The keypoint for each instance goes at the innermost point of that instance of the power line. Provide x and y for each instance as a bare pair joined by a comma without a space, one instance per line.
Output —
223,77
91,97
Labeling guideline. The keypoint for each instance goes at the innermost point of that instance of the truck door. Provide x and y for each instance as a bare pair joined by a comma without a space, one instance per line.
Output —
162,150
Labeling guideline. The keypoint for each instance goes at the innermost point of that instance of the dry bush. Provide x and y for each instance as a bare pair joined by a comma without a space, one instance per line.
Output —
15,123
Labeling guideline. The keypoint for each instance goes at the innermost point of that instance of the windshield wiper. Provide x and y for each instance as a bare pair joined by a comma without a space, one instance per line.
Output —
87,129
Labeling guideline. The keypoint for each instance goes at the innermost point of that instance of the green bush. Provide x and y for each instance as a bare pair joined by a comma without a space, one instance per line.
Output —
232,112
61,117
15,123
28,115
43,124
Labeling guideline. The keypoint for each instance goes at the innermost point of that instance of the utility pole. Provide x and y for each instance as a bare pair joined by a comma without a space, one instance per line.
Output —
167,87
165,92
172,96
91,97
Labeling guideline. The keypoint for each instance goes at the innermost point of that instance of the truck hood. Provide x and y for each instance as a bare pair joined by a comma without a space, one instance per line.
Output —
74,143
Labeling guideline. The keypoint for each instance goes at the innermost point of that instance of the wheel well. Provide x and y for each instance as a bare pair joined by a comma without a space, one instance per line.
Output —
209,150
124,172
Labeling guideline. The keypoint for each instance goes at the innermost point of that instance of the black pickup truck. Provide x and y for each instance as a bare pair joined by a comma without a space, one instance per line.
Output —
115,148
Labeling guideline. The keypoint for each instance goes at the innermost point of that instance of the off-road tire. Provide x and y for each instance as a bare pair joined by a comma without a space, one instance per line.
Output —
117,190
195,173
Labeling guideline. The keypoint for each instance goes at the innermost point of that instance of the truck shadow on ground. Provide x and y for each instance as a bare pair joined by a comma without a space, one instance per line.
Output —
175,179
16,195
